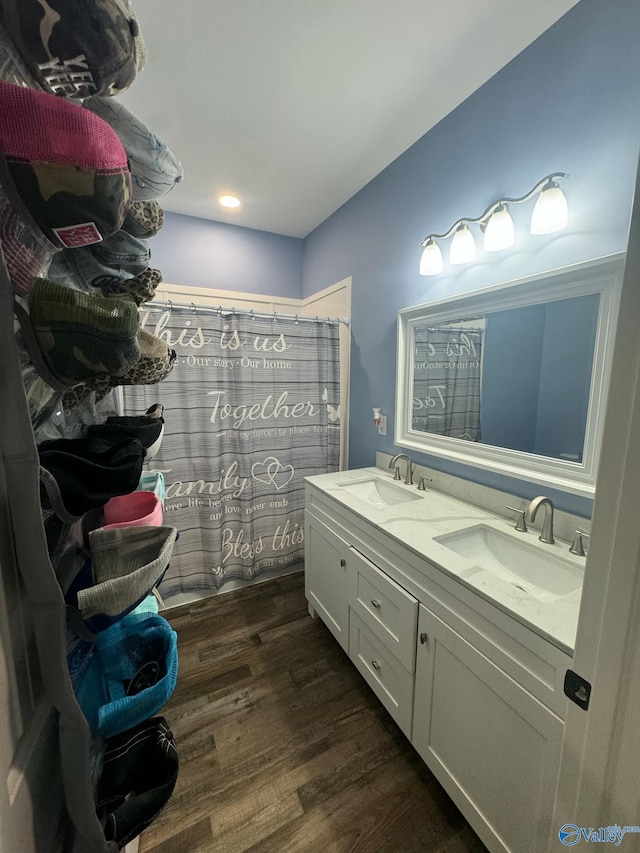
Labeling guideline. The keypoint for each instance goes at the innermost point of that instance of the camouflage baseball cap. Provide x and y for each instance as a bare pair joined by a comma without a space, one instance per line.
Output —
81,336
156,362
26,250
68,166
155,170
76,48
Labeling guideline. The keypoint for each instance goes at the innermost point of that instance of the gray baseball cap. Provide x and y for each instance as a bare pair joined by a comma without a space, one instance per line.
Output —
155,170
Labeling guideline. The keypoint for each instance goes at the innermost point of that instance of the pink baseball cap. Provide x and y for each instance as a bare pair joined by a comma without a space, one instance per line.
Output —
134,510
67,164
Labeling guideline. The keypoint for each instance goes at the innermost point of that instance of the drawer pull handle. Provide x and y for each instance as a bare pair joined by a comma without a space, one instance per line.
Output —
375,664
343,562
423,638
375,602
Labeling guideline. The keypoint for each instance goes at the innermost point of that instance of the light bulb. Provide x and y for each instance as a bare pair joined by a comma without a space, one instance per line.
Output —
431,261
229,200
500,233
463,246
551,212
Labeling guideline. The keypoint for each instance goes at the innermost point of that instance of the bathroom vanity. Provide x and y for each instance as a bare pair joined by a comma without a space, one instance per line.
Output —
464,629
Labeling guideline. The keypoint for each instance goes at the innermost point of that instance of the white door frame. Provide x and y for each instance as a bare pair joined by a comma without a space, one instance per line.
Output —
599,774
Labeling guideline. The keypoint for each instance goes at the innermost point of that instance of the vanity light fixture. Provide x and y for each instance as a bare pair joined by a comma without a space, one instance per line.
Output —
499,233
463,246
549,214
431,260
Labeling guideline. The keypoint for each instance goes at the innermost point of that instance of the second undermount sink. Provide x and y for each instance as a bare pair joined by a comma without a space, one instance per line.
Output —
526,565
379,492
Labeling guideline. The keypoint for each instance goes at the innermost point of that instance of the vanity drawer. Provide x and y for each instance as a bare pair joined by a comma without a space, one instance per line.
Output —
386,608
387,677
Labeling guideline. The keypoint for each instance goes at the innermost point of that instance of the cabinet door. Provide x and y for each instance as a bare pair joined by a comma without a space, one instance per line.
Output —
492,745
325,577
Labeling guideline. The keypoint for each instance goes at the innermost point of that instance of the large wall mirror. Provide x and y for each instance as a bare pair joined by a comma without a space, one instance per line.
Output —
513,378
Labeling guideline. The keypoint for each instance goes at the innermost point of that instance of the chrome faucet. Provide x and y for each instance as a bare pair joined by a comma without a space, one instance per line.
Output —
577,546
546,534
408,479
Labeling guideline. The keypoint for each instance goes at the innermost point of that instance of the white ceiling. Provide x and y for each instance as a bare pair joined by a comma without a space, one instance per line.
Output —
294,105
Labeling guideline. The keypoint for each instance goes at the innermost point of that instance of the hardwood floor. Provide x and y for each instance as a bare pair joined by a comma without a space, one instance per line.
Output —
283,747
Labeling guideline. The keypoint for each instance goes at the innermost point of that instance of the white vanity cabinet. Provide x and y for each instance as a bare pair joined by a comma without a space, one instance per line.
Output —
477,692
325,577
493,746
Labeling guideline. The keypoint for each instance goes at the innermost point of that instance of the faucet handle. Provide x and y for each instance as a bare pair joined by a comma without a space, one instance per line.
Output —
577,546
421,482
521,524
396,472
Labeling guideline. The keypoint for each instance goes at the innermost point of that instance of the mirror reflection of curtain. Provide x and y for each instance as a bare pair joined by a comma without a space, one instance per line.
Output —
446,381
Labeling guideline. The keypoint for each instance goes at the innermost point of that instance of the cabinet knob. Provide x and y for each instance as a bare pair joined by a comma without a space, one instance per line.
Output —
343,562
423,638
375,664
375,602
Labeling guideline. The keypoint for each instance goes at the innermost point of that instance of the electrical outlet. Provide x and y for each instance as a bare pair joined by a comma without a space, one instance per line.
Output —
382,426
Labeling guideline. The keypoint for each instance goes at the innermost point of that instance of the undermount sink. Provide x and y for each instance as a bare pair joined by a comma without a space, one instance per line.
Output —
378,492
526,565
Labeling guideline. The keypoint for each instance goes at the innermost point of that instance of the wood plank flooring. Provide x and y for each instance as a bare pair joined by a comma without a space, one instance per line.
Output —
283,747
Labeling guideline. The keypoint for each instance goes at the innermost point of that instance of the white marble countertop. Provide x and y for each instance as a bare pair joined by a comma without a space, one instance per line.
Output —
418,523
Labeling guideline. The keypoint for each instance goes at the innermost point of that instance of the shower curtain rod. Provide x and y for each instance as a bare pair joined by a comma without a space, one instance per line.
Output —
249,312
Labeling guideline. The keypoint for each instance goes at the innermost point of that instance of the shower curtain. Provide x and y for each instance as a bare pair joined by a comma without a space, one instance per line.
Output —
251,409
446,381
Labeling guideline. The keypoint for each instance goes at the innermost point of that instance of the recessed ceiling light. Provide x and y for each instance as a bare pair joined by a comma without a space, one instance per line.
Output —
229,200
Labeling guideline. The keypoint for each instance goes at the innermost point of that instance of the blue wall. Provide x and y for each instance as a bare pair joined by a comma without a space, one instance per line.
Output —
567,103
201,253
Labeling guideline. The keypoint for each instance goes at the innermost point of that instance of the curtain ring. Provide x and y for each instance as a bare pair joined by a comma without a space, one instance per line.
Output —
297,319
170,304
275,316
233,310
317,319
219,310
193,308
251,317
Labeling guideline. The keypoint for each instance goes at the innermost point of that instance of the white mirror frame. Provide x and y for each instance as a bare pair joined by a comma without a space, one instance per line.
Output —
603,276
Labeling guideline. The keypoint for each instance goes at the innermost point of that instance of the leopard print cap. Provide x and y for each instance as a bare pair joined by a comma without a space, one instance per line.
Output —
144,219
